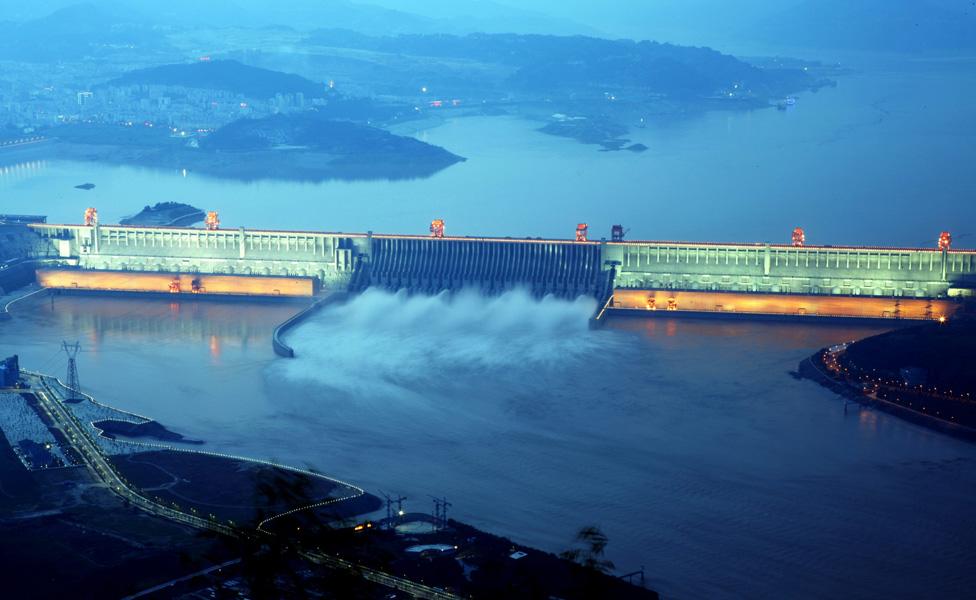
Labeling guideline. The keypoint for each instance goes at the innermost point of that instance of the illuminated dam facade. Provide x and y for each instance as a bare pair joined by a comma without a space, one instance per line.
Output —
641,274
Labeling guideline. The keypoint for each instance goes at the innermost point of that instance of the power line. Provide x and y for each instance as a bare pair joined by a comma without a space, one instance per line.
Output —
74,385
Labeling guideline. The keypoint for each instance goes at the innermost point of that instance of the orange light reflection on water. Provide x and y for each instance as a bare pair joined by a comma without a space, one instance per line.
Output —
215,348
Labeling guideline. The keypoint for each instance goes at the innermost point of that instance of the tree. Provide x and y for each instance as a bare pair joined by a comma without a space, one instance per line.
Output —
591,555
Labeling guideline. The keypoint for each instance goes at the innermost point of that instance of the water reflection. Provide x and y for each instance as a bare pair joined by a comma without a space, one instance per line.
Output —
216,324
786,335
11,173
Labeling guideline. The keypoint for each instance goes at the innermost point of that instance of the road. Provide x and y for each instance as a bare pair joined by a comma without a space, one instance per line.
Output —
46,391
172,582
22,142
100,466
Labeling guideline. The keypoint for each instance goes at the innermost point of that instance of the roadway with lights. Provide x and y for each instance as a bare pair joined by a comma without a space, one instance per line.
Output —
47,391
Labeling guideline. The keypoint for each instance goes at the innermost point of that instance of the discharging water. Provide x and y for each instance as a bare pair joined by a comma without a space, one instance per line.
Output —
687,441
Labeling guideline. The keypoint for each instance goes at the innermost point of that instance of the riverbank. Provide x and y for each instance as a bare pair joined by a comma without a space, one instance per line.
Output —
307,521
883,371
298,165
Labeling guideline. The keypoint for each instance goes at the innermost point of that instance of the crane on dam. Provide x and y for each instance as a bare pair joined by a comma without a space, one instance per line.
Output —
91,217
437,228
799,237
212,222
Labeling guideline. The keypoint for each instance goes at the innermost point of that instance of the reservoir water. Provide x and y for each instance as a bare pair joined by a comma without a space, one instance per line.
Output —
884,158
687,441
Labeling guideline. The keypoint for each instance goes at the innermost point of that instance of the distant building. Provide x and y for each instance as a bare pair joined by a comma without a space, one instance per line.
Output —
84,98
9,371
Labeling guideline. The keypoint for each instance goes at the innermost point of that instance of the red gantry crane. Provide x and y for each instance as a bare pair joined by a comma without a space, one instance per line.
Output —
212,222
437,228
91,217
799,237
945,240
581,231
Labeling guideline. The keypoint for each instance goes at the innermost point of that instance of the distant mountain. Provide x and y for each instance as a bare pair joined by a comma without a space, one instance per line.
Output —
875,25
489,16
75,32
543,63
232,13
382,17
226,75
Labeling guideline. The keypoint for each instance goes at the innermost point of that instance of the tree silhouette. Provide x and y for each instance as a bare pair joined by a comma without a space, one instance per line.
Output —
591,555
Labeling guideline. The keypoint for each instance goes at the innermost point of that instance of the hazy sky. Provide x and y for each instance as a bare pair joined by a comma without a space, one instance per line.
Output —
683,21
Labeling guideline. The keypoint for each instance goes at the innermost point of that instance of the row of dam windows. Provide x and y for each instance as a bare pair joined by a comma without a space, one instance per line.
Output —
745,280
958,262
273,269
217,240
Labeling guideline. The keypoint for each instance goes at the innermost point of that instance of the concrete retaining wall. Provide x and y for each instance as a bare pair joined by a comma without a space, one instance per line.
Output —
281,348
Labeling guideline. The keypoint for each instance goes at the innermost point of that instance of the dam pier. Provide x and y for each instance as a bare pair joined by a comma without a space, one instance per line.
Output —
625,277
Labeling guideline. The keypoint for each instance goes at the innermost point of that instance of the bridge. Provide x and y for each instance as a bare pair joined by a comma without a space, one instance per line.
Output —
641,274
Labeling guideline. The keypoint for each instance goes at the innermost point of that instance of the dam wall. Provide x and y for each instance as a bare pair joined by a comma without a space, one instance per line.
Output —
336,260
563,268
329,258
176,284
779,269
428,265
679,302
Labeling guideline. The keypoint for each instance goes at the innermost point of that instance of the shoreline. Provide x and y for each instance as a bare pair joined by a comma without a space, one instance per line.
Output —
155,462
296,166
808,369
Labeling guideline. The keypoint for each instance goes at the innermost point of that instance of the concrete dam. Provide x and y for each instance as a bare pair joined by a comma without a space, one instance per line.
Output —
624,276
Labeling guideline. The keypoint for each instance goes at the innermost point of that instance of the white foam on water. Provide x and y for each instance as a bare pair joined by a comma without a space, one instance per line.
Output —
381,343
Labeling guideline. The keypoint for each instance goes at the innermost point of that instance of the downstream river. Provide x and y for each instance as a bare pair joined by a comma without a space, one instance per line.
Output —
687,441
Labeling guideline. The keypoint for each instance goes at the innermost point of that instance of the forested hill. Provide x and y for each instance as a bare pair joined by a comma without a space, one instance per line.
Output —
226,75
309,131
545,62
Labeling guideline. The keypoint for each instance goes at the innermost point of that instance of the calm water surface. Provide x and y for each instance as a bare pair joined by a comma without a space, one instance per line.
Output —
687,441
884,158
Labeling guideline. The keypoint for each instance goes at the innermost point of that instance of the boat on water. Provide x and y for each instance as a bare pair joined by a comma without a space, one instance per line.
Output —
786,103
85,186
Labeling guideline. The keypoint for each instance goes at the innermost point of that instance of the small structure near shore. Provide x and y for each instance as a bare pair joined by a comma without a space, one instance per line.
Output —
166,214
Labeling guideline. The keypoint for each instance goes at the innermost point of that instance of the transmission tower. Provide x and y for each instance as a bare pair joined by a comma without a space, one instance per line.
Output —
74,386
391,515
444,506
437,512
440,512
